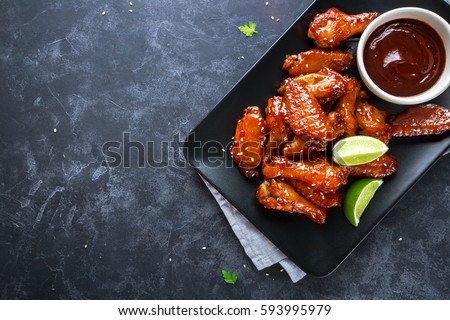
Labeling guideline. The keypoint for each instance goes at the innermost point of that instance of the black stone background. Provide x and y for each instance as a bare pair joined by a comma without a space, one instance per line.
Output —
72,229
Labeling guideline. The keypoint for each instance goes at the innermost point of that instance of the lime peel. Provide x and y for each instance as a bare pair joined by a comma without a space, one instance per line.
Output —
358,150
357,198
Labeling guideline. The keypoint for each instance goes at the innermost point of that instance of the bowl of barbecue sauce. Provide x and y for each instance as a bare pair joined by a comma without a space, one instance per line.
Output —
403,56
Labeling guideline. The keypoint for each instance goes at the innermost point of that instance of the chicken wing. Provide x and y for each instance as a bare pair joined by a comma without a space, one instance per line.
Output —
279,129
320,174
299,147
316,59
420,120
345,108
372,122
247,149
320,198
279,195
306,115
330,28
383,167
326,85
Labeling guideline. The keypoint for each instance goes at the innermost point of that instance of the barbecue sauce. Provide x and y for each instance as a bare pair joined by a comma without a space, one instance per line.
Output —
404,57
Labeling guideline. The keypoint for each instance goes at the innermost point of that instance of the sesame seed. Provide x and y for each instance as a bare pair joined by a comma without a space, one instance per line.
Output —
281,270
54,130
170,259
245,266
103,13
271,17
131,10
131,3
400,239
242,57
267,3
278,19
203,248
267,274
223,150
85,246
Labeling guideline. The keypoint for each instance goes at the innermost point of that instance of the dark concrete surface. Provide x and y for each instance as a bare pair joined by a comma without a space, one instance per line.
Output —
72,80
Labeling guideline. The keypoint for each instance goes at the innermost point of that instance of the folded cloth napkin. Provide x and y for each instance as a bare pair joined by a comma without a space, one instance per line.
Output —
259,249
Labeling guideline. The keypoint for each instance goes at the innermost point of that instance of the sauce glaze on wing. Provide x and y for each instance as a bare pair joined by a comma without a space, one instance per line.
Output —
278,195
372,122
326,85
305,114
315,60
279,129
248,145
330,28
320,174
316,196
382,167
420,120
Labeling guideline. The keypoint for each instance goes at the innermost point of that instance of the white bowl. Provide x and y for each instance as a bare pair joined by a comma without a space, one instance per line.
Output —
433,20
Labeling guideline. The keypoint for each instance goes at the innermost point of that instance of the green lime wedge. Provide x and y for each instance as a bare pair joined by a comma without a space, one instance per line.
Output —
357,197
357,150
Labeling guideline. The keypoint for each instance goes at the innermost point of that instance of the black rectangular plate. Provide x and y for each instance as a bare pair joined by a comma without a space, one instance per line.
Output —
317,249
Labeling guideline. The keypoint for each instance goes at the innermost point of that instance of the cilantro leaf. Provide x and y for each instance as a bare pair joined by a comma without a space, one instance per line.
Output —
229,277
248,29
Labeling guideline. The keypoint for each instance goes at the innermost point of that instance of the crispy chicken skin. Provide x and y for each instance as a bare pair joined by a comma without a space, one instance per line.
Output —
383,167
279,195
320,198
345,109
279,129
326,85
420,120
315,60
330,28
305,114
247,149
320,174
372,122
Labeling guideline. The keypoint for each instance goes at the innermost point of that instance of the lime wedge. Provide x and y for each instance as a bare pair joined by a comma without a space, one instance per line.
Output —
357,198
357,150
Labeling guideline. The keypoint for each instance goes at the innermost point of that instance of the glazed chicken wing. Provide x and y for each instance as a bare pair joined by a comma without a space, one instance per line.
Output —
279,129
345,109
299,147
320,174
372,122
305,114
328,29
279,195
315,60
420,120
326,85
247,149
383,167
320,198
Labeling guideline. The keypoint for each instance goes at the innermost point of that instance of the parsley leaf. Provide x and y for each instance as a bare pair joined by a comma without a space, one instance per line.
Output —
248,29
229,277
